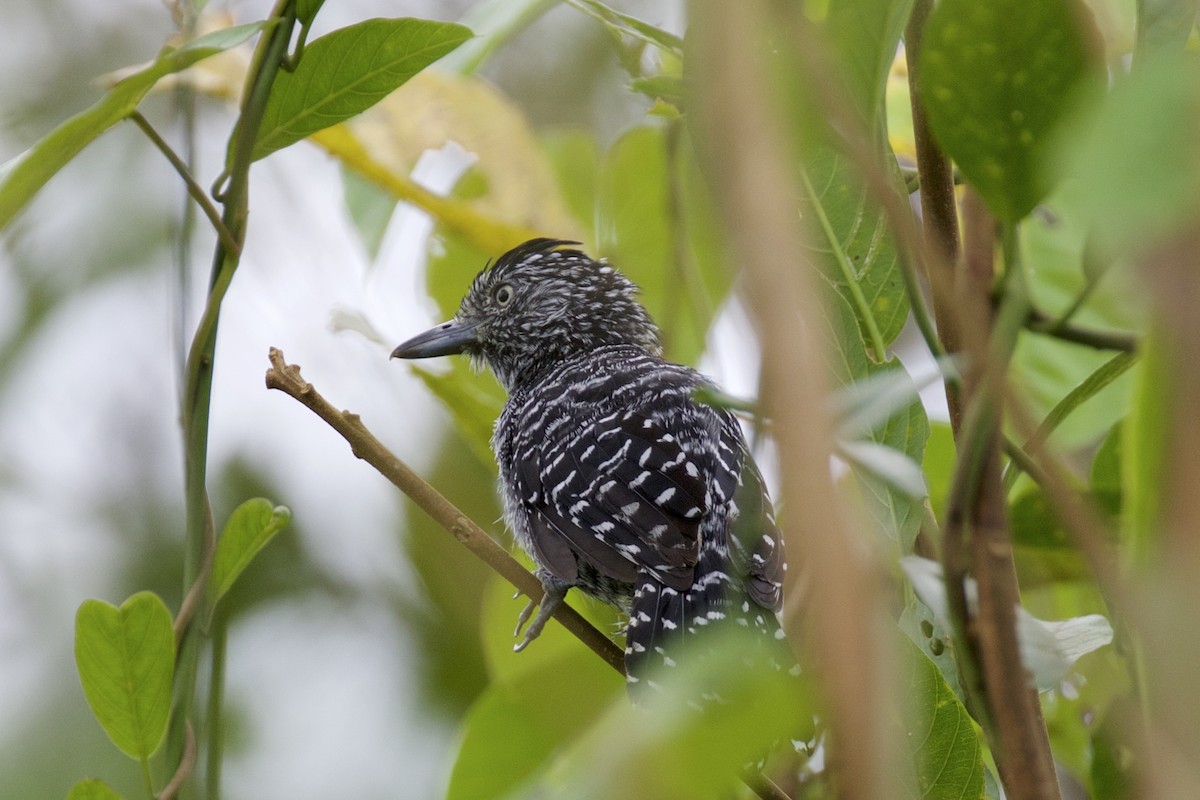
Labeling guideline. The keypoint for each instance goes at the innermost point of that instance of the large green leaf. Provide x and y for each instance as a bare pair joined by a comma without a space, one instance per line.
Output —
942,739
855,250
250,527
665,748
896,512
21,177
998,76
346,72
1136,159
126,661
518,723
655,223
865,34
475,401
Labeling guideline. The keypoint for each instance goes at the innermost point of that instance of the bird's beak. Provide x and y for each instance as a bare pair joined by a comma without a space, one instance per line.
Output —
447,339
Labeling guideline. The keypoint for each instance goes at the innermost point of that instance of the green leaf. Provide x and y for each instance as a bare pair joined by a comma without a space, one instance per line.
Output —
855,248
664,748
518,723
1145,439
306,10
943,743
250,526
626,25
23,176
920,625
998,76
1163,25
92,789
370,208
126,661
1134,156
346,72
865,34
644,198
1105,474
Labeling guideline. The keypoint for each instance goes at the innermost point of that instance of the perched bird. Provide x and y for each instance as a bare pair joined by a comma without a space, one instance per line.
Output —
615,478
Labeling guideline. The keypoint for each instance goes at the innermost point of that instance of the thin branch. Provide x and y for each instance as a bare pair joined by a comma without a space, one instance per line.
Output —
1041,322
286,378
194,189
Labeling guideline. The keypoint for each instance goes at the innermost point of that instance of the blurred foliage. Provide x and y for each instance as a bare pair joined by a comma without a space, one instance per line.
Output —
1094,180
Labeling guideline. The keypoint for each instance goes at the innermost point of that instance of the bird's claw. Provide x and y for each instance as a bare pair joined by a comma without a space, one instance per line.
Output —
545,610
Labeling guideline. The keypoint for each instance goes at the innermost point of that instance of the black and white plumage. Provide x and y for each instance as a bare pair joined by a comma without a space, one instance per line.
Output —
615,479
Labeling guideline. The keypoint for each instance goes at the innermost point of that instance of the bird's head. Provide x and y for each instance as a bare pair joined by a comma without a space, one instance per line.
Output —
537,306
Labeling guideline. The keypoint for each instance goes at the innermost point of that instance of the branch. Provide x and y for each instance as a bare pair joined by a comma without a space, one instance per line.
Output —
1041,322
286,378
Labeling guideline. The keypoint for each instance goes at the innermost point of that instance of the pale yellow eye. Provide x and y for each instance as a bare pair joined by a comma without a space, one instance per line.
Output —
503,294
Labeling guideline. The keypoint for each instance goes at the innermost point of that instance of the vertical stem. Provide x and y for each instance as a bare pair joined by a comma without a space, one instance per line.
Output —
978,539
197,392
939,208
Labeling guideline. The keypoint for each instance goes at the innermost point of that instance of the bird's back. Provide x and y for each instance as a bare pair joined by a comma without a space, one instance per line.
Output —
617,481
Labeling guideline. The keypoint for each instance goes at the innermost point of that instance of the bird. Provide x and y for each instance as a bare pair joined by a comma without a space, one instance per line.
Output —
615,479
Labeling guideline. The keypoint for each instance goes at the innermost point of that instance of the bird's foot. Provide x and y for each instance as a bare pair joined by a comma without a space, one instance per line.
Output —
553,594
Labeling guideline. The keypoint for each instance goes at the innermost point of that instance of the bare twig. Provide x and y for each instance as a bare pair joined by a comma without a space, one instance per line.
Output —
1041,322
286,378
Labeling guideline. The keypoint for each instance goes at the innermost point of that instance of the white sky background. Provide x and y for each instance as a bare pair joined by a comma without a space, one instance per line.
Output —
88,414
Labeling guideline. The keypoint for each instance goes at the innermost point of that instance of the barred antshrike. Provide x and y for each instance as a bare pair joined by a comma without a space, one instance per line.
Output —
615,478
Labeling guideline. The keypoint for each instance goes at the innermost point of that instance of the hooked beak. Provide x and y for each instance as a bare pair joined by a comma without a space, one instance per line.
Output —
447,339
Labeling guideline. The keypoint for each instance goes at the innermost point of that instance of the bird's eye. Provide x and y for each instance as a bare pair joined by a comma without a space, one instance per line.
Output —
503,294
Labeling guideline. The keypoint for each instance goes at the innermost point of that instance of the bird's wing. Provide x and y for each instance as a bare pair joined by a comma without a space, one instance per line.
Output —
623,493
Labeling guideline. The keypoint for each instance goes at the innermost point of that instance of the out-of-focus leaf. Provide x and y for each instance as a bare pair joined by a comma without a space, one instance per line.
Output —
250,527
1105,474
1163,26
940,457
856,251
865,36
497,622
370,208
683,279
92,789
943,743
665,748
1108,372
474,400
21,177
1048,648
998,77
437,109
1144,440
1054,244
1042,549
495,23
626,25
126,661
347,71
895,469
574,158
452,580
868,402
522,720
1135,158
897,513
